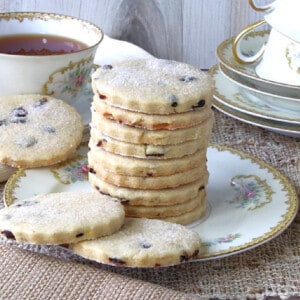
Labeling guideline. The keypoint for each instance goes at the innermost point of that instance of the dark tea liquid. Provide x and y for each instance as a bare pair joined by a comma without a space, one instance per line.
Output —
39,45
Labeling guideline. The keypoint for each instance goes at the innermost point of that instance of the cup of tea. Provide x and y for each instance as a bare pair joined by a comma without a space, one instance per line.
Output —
279,58
46,53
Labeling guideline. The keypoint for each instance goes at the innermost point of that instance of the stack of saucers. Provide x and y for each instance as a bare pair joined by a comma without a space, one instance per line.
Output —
151,123
242,94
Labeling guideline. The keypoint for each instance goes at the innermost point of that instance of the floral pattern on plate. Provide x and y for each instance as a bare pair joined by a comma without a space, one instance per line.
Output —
224,229
251,192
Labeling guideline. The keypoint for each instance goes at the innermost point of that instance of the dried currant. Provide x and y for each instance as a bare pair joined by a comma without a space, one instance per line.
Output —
91,170
3,122
145,245
48,129
26,203
173,99
40,102
200,104
26,142
107,67
8,234
116,261
18,115
187,78
184,258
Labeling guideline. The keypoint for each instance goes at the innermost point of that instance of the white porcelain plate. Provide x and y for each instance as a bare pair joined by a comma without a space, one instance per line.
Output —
249,201
251,44
238,98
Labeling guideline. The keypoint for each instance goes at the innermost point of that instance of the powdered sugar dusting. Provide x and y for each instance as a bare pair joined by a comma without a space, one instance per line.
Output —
144,83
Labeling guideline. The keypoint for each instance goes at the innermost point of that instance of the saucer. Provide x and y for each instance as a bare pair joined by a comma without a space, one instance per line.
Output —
274,126
284,104
251,44
245,193
237,98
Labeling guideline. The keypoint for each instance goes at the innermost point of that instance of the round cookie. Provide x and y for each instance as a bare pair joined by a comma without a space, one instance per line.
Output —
157,197
153,86
154,121
152,183
143,243
132,166
190,216
160,212
37,130
145,151
62,218
136,135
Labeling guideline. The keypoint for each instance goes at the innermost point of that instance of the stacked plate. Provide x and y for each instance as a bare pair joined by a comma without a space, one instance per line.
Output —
241,94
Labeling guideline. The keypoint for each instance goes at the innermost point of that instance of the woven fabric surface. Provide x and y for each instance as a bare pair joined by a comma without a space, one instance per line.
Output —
269,271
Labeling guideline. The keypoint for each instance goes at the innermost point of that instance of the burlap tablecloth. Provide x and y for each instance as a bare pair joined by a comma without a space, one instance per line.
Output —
269,271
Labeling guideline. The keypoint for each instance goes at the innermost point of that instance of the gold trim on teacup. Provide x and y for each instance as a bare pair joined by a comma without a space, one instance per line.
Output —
21,16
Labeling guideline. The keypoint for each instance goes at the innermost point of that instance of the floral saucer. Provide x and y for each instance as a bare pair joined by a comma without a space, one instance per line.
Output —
246,72
275,126
249,202
240,99
286,105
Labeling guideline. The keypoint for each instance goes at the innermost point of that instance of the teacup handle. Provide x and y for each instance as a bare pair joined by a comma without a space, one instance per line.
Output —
260,8
236,49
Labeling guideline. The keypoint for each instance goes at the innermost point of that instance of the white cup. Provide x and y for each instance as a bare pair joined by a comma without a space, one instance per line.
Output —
279,58
64,75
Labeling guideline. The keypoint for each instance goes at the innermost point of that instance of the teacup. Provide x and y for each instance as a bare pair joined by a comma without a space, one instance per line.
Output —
278,59
46,53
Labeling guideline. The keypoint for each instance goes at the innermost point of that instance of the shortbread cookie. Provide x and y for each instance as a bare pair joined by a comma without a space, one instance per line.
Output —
158,197
149,182
153,86
126,165
191,216
62,218
152,122
143,243
159,212
155,137
99,140
37,130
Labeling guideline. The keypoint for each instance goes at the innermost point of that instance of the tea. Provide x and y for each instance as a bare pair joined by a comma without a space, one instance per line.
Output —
39,45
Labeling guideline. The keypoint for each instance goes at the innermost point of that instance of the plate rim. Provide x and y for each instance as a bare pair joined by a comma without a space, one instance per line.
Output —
214,71
287,218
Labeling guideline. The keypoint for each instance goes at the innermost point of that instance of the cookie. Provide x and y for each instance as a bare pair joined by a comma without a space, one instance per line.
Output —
143,243
153,86
99,140
154,121
149,182
37,130
136,135
126,165
191,216
157,197
61,218
164,211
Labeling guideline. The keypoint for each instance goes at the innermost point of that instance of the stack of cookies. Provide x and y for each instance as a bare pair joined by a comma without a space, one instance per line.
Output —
151,123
